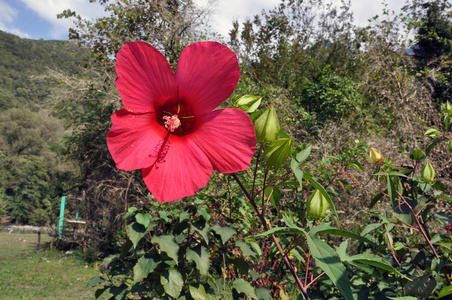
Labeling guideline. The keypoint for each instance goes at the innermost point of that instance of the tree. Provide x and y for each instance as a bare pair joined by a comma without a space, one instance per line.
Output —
433,47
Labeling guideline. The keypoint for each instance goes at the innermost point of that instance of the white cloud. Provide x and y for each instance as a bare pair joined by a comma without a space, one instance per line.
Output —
7,17
49,9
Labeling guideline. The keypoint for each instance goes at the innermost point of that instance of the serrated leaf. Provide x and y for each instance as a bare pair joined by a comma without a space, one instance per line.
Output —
327,259
201,257
143,219
242,286
135,231
245,248
167,244
172,281
198,293
145,265
225,232
202,228
93,282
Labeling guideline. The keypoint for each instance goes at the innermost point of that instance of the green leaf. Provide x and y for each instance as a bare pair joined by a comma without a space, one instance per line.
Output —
93,282
99,292
327,229
172,282
303,154
446,291
433,144
327,259
275,196
167,244
263,293
295,166
225,232
417,155
143,219
198,293
246,249
119,292
281,231
376,261
241,264
242,286
202,228
136,231
130,212
421,285
145,265
201,257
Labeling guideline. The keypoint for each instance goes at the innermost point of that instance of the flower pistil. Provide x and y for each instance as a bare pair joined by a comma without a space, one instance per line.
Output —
172,123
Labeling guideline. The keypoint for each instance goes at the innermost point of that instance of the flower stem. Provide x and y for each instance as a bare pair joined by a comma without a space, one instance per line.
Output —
303,289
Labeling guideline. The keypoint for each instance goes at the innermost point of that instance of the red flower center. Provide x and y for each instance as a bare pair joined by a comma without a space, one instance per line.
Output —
177,118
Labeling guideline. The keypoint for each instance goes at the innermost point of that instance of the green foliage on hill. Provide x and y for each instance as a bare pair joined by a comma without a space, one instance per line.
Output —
31,172
22,60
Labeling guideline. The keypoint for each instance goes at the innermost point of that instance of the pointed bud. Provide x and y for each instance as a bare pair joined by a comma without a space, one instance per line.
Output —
267,125
248,103
446,107
317,206
375,155
428,173
278,151
432,132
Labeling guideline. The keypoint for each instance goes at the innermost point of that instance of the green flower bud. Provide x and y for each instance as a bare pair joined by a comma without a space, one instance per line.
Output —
446,107
248,103
375,155
432,132
317,205
267,125
278,151
428,173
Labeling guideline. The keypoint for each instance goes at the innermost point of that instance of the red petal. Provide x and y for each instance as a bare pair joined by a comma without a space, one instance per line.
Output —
228,139
181,172
207,74
145,79
134,139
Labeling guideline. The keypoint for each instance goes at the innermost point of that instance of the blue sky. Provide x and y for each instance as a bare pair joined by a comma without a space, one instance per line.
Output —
36,19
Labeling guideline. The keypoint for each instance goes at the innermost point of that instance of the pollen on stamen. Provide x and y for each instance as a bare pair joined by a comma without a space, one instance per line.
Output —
171,123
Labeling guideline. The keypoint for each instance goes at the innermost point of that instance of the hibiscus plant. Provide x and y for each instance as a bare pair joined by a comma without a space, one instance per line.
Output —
238,209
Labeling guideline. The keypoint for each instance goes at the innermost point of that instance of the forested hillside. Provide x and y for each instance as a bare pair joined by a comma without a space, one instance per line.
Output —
31,169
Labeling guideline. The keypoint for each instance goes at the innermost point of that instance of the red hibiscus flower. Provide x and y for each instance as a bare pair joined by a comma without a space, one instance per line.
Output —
168,127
